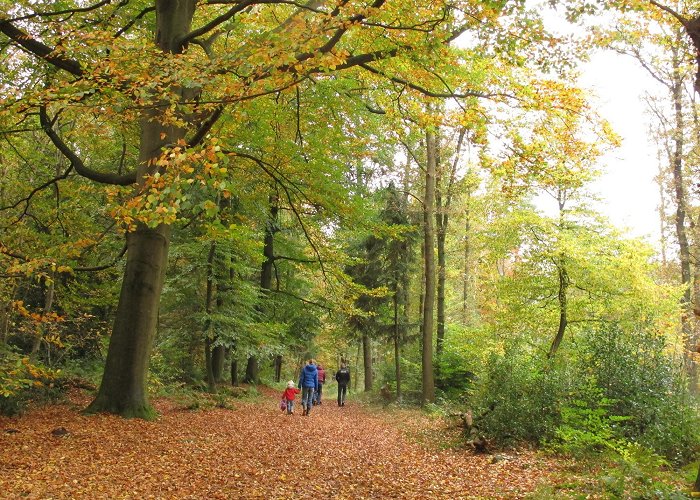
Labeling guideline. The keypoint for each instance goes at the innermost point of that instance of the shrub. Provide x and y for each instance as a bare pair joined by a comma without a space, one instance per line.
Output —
642,382
518,398
22,380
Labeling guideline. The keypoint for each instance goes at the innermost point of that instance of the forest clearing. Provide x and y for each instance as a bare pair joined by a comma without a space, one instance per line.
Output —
199,198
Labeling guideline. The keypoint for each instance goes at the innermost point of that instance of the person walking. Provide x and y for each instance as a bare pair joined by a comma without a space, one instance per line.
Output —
308,383
321,381
342,376
288,396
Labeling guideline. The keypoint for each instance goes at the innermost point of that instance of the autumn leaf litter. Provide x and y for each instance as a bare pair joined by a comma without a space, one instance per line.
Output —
251,451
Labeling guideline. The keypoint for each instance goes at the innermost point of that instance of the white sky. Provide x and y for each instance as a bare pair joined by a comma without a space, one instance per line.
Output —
627,187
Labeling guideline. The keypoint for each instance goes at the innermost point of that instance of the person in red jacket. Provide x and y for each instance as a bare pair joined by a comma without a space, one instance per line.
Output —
288,395
321,381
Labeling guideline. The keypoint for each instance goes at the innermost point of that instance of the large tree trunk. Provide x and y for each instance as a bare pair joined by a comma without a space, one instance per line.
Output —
252,371
218,355
123,387
367,361
429,267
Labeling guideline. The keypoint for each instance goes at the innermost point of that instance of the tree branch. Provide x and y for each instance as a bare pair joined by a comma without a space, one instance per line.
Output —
39,49
684,21
128,25
206,126
241,5
305,301
104,266
76,162
65,11
423,90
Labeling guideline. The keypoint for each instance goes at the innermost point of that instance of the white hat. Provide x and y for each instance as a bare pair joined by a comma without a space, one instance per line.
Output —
290,384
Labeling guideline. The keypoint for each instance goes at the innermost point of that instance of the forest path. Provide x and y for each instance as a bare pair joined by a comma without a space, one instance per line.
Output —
252,450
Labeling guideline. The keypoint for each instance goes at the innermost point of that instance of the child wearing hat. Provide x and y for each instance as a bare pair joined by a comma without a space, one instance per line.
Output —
288,396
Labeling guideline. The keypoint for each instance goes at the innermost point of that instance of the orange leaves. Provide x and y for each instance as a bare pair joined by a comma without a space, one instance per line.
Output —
253,451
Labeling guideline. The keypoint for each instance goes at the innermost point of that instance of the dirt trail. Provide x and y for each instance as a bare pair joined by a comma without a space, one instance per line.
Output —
250,451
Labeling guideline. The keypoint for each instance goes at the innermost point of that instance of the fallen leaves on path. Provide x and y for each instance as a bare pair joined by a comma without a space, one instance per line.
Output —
250,451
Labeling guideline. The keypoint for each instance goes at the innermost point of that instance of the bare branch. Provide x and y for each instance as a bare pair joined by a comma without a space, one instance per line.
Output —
27,199
76,162
128,25
205,127
104,266
64,11
241,5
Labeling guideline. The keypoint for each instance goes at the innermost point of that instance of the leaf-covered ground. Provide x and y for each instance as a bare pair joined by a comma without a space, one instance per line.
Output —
251,450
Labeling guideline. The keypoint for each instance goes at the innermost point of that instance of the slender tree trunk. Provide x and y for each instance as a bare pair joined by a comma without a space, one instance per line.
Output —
421,295
406,277
441,225
692,347
679,191
234,371
443,200
209,364
49,288
208,334
563,284
562,298
468,309
266,273
397,346
278,368
218,353
429,266
367,361
123,387
681,232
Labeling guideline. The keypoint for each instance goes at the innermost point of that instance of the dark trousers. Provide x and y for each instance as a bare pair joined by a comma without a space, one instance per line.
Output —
342,391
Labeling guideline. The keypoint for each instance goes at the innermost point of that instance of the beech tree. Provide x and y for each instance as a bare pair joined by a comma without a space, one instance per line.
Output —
172,73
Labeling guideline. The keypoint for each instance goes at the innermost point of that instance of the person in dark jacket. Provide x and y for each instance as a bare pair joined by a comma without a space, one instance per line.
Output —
321,381
342,376
308,382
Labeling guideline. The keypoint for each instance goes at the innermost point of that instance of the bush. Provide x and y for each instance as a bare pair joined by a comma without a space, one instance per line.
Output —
22,380
586,424
644,384
518,398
